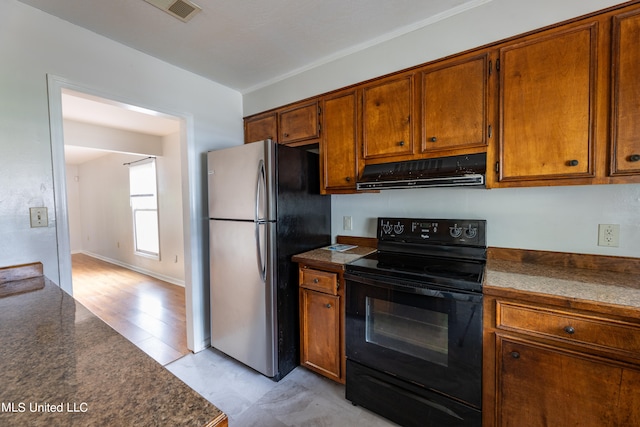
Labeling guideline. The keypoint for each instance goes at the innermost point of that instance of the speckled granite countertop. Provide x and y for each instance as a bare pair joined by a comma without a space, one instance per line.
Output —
326,256
594,286
584,284
62,366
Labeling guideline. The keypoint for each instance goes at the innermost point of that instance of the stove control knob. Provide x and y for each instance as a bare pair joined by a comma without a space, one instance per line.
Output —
470,232
455,231
386,228
398,228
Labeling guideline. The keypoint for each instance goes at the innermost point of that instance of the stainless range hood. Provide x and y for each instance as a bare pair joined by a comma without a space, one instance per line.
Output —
453,171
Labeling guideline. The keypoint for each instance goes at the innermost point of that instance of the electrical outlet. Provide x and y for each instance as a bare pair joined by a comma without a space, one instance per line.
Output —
346,223
609,235
39,217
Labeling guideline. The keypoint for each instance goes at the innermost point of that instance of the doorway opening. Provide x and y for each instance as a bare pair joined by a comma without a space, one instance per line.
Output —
142,297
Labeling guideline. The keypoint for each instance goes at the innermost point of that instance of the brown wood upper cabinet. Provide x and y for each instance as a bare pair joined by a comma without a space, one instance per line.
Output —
625,121
387,109
338,144
455,101
559,106
299,123
547,105
261,127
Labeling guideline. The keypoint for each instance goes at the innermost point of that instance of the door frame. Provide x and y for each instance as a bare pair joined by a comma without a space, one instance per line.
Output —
193,252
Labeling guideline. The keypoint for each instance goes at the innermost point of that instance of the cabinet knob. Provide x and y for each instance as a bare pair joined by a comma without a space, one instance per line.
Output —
328,305
634,157
573,163
285,135
434,139
515,355
569,330
315,280
348,179
401,143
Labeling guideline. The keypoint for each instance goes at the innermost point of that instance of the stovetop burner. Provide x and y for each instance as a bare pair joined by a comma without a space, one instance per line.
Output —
448,253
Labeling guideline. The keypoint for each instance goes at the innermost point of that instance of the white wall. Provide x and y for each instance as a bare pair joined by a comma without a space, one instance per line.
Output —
170,210
556,219
89,135
73,204
491,21
34,44
106,225
92,211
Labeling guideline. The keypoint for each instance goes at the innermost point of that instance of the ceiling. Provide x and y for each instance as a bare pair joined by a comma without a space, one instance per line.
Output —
86,108
248,44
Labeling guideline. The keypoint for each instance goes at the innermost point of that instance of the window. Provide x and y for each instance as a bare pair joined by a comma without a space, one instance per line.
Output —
143,192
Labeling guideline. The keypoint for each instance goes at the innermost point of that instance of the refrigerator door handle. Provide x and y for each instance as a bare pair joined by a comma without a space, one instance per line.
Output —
260,189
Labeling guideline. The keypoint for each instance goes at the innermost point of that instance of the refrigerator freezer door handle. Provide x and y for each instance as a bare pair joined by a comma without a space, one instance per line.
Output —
260,188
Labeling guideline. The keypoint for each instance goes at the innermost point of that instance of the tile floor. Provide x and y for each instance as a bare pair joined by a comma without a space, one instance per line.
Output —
302,398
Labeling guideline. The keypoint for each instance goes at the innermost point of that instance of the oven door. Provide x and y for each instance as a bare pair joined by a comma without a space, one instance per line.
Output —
425,335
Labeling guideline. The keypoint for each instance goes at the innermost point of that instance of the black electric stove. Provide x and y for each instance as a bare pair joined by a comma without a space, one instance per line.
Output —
414,323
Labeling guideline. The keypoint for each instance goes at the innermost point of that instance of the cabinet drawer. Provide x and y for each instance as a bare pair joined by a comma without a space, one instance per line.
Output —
571,327
318,280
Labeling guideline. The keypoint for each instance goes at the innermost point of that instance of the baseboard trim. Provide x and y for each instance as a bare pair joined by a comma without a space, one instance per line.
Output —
137,269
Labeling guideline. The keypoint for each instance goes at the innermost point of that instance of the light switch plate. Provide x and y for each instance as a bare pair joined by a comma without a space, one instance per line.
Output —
39,217
347,223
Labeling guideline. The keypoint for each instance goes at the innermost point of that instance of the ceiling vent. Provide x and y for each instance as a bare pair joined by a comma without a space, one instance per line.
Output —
184,10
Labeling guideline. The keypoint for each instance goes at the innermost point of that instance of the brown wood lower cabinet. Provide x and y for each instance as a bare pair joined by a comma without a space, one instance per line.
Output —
555,366
544,386
321,322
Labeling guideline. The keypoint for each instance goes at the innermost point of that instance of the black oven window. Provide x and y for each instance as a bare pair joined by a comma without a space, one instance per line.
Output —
414,331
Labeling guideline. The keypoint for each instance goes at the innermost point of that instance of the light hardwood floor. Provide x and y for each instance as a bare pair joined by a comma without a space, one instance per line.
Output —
147,311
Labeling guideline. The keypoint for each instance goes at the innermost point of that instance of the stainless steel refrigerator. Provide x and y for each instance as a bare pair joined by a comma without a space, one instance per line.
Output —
264,207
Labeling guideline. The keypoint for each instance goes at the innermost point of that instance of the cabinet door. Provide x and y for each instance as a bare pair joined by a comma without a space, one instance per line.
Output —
261,127
299,123
540,386
547,106
387,110
455,105
320,332
339,142
626,94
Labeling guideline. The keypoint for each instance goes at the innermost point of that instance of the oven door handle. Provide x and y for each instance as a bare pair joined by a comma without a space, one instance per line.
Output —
413,287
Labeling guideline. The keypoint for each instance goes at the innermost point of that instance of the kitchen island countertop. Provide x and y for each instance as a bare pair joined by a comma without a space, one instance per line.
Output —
63,366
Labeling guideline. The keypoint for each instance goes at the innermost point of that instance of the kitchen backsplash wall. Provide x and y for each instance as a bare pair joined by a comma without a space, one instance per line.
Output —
563,219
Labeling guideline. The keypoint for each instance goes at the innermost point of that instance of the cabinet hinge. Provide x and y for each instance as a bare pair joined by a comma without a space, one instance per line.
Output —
497,65
490,67
497,167
490,131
